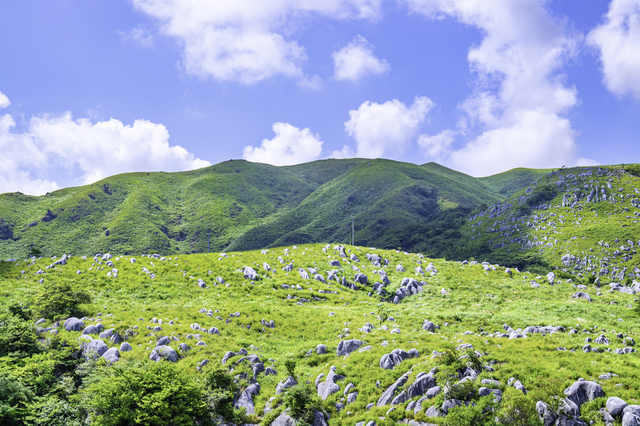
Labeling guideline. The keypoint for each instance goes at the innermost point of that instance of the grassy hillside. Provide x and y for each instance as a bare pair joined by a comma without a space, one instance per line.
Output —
239,205
479,319
512,181
583,221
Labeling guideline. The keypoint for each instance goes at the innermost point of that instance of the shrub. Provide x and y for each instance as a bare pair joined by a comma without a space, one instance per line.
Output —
61,300
146,394
518,409
18,338
303,400
290,365
13,397
480,414
222,389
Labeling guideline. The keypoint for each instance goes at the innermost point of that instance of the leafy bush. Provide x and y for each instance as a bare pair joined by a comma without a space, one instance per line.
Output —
222,389
18,338
61,300
303,400
13,397
290,365
633,169
480,414
541,194
518,409
146,394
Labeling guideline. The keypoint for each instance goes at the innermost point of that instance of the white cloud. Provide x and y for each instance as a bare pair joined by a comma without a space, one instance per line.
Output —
139,35
4,101
245,41
386,129
96,150
290,146
520,98
109,147
345,152
618,39
21,162
356,60
437,147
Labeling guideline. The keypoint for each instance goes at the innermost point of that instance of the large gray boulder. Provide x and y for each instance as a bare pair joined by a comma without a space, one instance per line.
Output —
389,394
112,355
421,386
284,419
166,352
428,326
391,360
319,419
163,341
94,349
321,349
250,273
615,406
287,383
246,398
584,391
545,414
73,324
361,278
125,347
345,347
631,415
329,386
581,295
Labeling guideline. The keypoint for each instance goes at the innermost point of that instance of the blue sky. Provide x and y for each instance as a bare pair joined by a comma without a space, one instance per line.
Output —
91,88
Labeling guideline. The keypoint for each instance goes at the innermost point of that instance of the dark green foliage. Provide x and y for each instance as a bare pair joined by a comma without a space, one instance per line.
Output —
221,389
13,398
508,183
633,169
18,338
479,414
61,300
20,311
540,194
156,394
290,365
383,312
54,411
518,409
303,400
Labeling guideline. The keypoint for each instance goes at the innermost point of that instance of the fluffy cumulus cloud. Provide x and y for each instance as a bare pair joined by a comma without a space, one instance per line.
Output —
291,145
437,147
109,147
4,100
520,100
22,162
617,39
356,60
246,41
384,130
96,150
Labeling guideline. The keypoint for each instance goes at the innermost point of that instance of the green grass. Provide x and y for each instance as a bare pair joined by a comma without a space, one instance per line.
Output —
237,205
476,299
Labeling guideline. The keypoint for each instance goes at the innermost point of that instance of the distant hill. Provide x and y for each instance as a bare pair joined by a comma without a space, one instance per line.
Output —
238,205
583,221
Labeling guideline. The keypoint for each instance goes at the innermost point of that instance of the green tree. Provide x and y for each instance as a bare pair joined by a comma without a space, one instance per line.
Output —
61,300
158,394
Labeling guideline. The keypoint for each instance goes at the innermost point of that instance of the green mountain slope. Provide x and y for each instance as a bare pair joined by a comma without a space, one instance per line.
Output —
238,205
512,181
383,197
583,221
